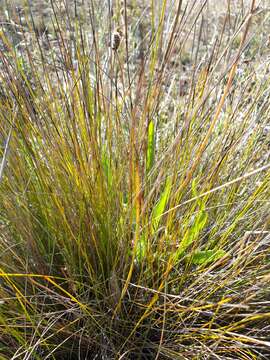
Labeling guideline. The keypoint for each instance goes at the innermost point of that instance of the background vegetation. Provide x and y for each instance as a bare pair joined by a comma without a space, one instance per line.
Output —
134,180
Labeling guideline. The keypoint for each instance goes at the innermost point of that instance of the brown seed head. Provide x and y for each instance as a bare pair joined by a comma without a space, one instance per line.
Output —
116,38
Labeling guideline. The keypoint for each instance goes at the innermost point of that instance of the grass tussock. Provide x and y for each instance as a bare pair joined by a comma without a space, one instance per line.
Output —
134,193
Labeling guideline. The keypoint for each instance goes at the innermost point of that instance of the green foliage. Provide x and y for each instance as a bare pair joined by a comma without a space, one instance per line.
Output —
198,224
107,169
150,146
205,257
159,208
192,234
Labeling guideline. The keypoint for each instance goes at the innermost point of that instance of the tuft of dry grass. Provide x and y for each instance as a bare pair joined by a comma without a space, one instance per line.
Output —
134,181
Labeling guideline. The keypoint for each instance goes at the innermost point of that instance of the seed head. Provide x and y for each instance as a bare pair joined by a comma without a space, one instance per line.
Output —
116,38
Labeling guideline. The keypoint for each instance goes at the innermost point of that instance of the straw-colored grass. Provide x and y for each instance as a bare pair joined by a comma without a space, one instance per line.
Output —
134,191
